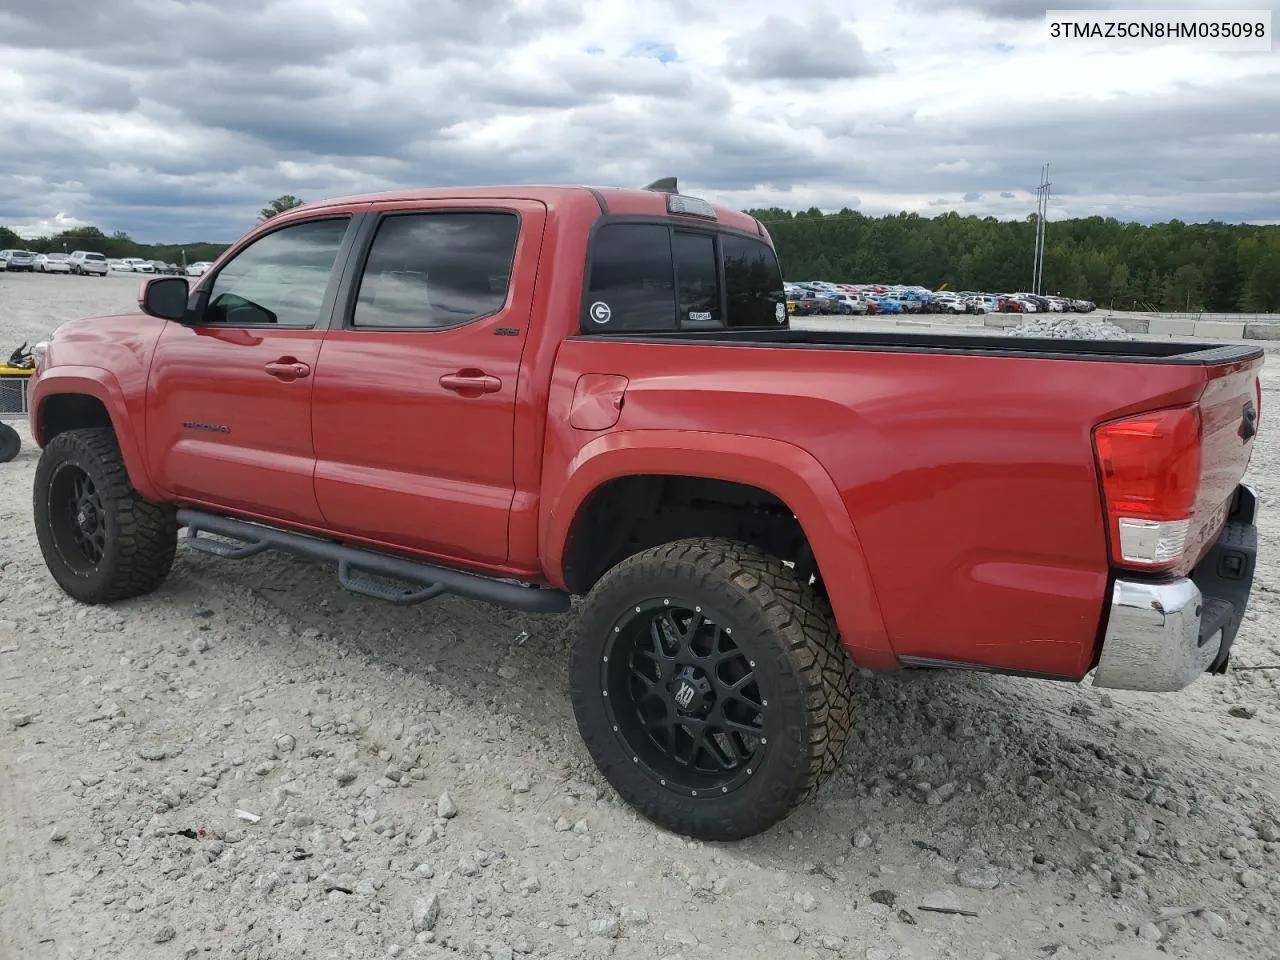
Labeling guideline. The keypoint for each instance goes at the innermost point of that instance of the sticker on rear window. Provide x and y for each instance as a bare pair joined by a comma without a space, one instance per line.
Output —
699,315
780,311
600,312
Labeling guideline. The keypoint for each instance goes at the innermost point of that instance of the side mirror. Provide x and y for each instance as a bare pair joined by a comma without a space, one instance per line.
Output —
164,297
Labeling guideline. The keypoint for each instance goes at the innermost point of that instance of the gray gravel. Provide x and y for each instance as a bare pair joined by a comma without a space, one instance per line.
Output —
1059,326
1073,823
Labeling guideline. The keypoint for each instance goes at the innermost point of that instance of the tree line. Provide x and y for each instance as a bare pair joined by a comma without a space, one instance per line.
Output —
1174,266
116,246
120,245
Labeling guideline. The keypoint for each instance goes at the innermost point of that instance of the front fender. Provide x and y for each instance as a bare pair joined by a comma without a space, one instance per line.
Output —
103,386
780,468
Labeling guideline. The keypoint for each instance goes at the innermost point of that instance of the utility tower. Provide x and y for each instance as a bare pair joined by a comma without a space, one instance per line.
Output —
1042,210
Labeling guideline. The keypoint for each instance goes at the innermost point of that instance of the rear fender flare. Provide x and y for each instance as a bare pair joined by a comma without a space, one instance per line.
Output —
780,468
103,387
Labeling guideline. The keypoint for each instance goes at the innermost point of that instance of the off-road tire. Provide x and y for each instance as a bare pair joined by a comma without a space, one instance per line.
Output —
780,622
141,537
10,443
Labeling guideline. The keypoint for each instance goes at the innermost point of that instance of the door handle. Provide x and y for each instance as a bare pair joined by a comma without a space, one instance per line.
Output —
468,382
287,368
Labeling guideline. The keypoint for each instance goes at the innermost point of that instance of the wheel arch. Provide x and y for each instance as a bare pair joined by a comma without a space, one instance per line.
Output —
80,397
760,472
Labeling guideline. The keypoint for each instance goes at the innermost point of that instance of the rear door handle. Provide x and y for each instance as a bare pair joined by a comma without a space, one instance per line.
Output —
288,368
470,382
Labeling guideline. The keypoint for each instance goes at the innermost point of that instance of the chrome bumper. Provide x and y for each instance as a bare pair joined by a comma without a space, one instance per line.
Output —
1161,636
1153,637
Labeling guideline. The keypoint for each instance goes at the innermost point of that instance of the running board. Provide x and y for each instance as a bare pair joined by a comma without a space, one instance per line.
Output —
362,571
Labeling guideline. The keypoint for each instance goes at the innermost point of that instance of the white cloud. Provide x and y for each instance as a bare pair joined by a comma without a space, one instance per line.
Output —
182,130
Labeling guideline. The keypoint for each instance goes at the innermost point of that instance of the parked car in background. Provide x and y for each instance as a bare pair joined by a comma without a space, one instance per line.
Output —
851,304
88,263
198,268
16,260
138,265
52,263
948,303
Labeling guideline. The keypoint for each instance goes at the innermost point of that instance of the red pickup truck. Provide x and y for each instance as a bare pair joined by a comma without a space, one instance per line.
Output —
526,394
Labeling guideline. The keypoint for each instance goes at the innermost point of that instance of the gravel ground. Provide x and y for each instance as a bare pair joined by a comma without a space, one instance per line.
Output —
252,763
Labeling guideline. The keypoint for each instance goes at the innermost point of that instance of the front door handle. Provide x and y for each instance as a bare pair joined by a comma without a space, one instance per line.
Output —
470,382
288,368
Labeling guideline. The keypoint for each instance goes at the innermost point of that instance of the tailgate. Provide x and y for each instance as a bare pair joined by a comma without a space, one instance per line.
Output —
1229,412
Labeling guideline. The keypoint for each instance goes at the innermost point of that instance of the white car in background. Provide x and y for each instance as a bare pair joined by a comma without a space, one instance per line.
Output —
86,262
138,265
198,268
52,263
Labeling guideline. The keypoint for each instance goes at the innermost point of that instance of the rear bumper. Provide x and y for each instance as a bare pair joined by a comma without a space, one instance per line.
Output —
1161,635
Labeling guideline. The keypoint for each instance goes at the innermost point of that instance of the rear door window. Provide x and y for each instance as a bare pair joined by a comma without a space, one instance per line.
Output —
435,270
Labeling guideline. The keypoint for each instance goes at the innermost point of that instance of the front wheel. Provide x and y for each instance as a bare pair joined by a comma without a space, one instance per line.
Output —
710,687
100,540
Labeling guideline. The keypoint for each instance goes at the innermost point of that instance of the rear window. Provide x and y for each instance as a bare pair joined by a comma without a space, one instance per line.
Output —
659,277
95,256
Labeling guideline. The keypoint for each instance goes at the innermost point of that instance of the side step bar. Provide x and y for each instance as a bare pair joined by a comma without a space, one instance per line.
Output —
356,566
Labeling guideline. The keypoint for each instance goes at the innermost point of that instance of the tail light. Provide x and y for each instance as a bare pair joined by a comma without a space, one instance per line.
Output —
1257,388
1150,468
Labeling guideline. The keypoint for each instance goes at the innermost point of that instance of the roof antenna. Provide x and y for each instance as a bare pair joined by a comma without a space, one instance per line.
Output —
665,185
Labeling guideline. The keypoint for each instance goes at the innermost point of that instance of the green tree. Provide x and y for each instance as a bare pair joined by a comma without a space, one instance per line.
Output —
1262,289
278,206
1184,290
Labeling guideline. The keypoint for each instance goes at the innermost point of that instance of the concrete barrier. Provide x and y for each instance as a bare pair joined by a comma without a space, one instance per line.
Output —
1178,327
1219,330
1132,324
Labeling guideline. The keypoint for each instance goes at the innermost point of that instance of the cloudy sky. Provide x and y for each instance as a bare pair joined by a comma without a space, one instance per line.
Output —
177,119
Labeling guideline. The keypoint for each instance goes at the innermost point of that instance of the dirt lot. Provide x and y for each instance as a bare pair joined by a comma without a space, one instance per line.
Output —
422,792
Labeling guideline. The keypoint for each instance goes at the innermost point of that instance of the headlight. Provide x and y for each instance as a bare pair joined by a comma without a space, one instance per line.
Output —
38,352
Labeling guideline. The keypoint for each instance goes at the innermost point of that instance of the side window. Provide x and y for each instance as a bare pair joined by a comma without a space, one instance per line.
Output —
753,282
632,284
698,280
279,278
428,271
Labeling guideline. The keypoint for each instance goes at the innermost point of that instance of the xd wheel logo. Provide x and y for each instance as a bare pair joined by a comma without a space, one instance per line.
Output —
600,312
684,695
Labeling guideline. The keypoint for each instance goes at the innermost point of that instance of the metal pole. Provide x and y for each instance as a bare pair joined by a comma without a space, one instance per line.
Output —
1044,225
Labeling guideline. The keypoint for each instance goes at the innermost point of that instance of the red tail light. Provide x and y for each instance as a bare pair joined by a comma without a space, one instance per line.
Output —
1150,468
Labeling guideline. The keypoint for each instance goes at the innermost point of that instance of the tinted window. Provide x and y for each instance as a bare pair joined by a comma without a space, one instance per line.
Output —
434,270
753,282
279,278
632,284
698,279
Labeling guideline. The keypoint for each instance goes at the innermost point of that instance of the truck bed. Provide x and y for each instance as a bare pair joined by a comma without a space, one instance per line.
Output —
966,464
1129,351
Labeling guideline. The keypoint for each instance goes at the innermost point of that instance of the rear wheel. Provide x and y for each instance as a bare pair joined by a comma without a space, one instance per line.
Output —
100,540
710,687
